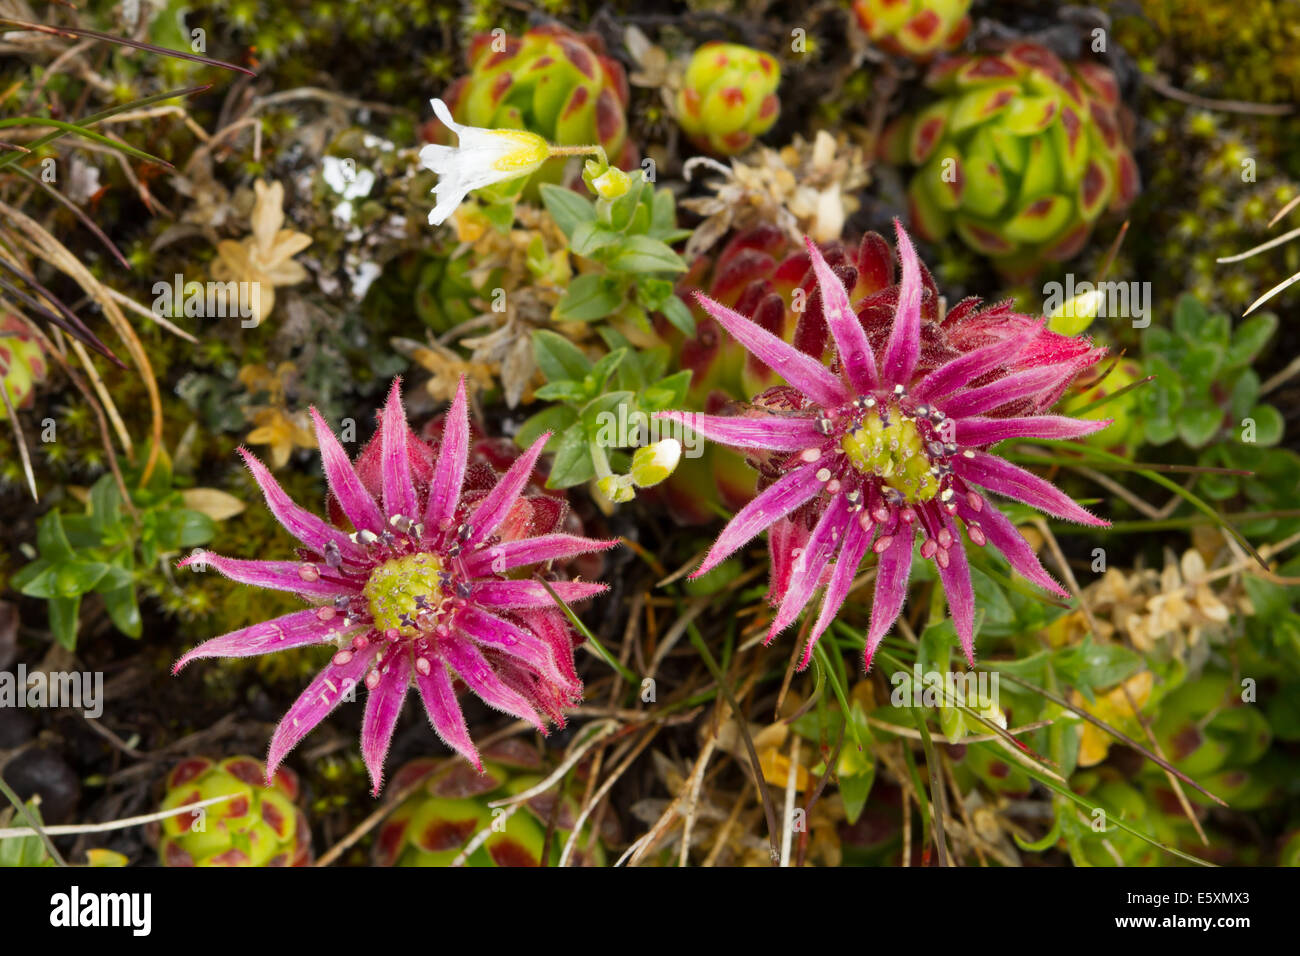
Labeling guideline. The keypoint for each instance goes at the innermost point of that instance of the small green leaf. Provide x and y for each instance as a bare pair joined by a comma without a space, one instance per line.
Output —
676,312
567,208
1269,424
51,539
643,254
124,611
63,620
558,358
555,420
572,464
589,297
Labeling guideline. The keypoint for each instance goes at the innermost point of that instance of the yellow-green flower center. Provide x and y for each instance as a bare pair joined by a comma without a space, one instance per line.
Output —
400,588
895,454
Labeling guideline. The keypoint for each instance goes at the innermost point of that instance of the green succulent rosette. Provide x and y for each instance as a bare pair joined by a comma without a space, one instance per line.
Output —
1019,157
728,97
259,825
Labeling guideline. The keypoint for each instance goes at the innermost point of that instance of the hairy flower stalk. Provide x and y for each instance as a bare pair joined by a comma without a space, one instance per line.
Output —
425,591
888,444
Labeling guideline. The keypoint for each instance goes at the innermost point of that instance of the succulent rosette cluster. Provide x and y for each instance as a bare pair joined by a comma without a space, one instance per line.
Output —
258,824
888,443
917,29
1019,157
22,362
728,97
427,590
552,82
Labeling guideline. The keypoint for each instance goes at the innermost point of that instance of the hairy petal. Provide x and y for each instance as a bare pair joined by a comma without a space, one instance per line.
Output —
443,708
964,369
509,638
526,594
987,431
1004,478
502,557
476,671
322,695
904,348
449,472
383,707
351,494
308,528
1002,534
775,502
278,634
803,372
399,488
891,588
975,401
494,507
850,340
961,595
856,541
826,537
276,575
770,432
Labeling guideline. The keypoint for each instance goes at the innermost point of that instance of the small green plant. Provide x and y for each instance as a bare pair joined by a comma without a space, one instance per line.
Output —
625,242
601,408
1204,385
107,550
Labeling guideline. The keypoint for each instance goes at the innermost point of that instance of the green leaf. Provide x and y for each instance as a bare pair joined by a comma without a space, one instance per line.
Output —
643,254
558,358
51,539
667,393
601,371
555,420
124,610
1197,424
105,505
590,237
566,207
676,312
589,297
572,464
1089,665
1269,424
565,390
1250,338
63,620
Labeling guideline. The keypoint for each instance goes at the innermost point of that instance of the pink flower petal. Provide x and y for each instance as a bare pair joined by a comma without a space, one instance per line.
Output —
502,557
850,340
904,348
775,502
769,432
449,473
987,431
856,542
277,634
891,588
475,670
806,574
399,488
352,496
1004,536
509,638
963,370
494,507
440,703
804,372
383,707
322,695
311,530
976,401
298,577
961,595
1007,479
510,594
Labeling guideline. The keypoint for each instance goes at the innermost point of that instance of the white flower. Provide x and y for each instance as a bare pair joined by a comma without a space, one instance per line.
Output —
484,156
